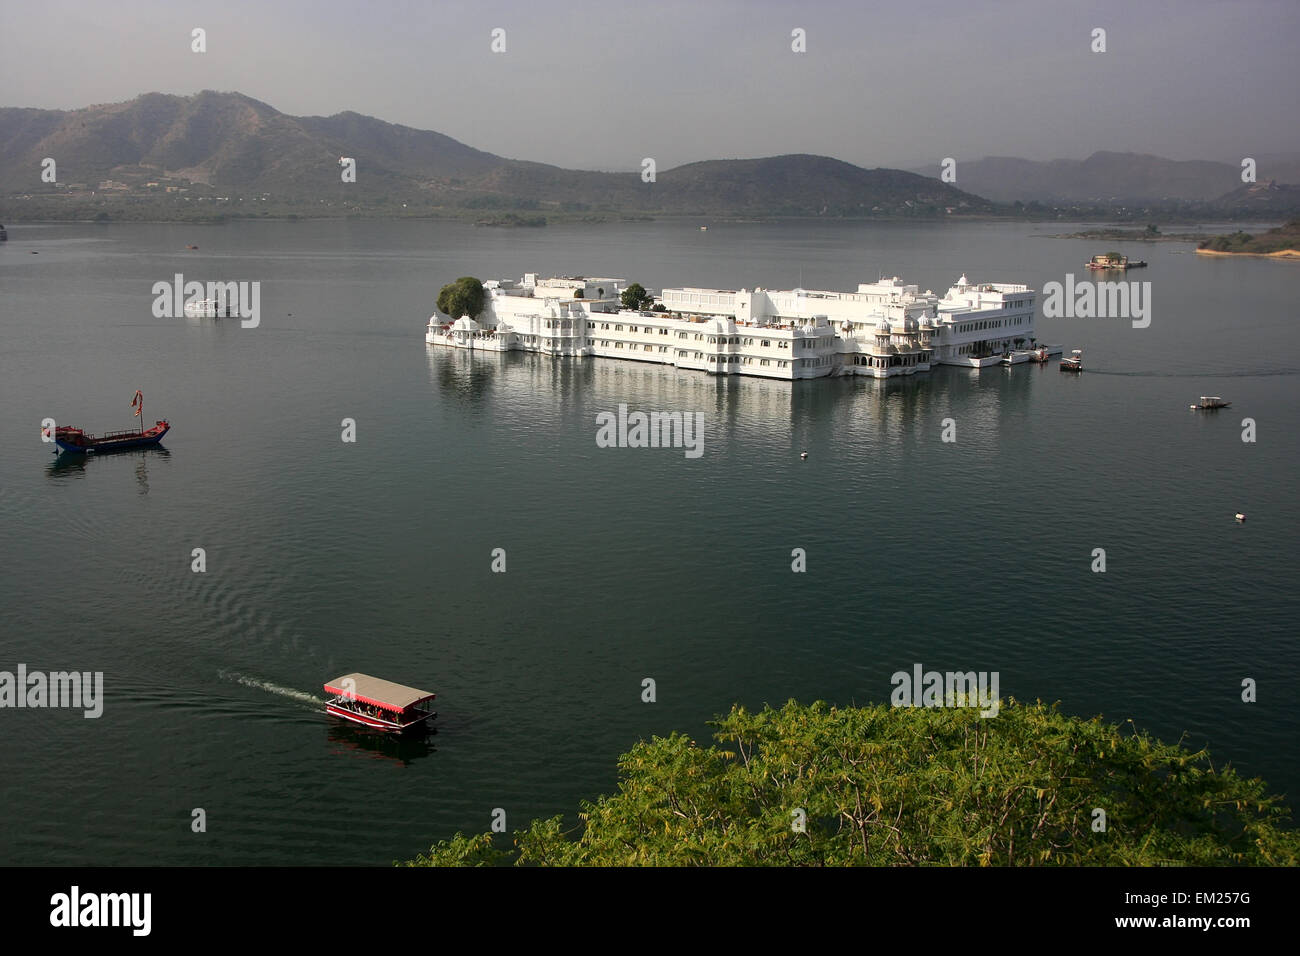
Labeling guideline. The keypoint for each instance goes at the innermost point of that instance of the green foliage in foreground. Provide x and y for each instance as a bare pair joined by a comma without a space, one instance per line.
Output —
900,786
465,296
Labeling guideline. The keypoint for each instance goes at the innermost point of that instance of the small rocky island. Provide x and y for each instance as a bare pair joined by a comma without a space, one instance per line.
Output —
1151,233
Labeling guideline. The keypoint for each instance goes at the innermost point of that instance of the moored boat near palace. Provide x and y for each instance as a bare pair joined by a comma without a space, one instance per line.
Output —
1038,355
381,704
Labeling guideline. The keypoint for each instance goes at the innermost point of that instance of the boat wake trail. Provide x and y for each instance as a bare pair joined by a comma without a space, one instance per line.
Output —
270,688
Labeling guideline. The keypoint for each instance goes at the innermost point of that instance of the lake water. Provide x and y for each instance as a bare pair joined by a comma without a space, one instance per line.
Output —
325,557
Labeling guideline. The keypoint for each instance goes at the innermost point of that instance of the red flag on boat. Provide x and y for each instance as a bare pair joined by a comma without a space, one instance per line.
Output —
138,403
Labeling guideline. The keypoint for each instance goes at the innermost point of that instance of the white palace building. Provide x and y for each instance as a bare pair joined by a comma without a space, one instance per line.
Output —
885,328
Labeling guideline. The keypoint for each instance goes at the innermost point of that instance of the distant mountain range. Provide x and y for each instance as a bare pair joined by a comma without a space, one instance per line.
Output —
213,155
1112,178
222,144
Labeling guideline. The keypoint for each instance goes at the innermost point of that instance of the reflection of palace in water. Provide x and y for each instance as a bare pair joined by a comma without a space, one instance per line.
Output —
884,329
518,390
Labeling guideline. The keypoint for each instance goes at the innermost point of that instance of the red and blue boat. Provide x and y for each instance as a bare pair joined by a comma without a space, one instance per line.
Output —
78,441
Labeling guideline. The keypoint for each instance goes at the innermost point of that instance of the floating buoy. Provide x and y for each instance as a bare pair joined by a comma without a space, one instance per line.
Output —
1239,516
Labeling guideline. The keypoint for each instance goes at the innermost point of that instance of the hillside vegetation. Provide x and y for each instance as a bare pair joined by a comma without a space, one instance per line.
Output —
228,155
1283,238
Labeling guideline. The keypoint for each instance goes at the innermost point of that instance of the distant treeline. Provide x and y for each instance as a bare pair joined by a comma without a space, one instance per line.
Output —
510,210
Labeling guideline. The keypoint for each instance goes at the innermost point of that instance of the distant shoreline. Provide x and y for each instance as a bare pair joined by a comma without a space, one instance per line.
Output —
1106,236
619,219
1280,254
560,220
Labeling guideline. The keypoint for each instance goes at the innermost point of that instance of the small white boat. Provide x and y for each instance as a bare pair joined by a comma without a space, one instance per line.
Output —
1017,356
209,309
1209,402
1074,363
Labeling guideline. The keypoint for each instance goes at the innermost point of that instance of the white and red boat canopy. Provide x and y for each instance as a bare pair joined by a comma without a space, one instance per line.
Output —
376,691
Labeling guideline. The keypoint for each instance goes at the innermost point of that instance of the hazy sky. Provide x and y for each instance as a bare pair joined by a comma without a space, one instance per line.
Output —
599,85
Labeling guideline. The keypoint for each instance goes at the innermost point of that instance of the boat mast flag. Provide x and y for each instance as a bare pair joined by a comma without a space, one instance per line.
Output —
138,404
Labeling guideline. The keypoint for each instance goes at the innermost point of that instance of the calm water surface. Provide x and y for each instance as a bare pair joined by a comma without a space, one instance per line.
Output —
325,557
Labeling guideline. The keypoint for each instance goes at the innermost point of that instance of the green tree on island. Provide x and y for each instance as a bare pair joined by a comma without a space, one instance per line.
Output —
465,296
635,297
882,786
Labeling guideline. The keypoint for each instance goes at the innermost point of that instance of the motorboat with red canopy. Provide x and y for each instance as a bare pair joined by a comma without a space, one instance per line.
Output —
378,703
